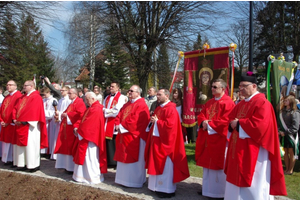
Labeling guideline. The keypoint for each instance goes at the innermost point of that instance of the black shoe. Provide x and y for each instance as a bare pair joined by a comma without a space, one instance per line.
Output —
21,168
33,170
9,163
13,166
68,172
165,195
200,193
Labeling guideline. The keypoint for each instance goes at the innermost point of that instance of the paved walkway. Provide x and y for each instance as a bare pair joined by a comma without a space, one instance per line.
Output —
185,190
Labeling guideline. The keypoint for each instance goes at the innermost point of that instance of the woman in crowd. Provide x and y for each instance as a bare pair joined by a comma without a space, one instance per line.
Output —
289,121
177,99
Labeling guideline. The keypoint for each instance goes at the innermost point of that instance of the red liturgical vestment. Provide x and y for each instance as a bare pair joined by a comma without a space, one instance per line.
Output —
258,120
66,137
30,108
210,149
7,107
91,128
169,143
134,117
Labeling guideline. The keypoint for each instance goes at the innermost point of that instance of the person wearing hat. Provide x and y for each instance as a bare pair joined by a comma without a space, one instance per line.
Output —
253,164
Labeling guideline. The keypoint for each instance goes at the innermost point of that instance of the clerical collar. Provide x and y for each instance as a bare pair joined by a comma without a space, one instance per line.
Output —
134,100
30,92
162,105
249,98
13,93
217,99
112,95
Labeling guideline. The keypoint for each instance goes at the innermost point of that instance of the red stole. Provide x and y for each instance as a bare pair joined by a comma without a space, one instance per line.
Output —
91,128
169,143
134,117
8,104
258,120
30,108
210,149
109,132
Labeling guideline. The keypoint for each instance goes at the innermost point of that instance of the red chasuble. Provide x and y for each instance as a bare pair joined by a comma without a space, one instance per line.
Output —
6,111
109,132
30,108
91,128
210,149
66,137
169,143
134,117
258,120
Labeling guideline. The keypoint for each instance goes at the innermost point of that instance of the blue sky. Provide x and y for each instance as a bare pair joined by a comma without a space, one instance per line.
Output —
53,29
63,12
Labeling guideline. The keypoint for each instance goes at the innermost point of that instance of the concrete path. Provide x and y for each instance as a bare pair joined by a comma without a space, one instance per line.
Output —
185,190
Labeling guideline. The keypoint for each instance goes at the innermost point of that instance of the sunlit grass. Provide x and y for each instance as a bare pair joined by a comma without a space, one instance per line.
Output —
292,181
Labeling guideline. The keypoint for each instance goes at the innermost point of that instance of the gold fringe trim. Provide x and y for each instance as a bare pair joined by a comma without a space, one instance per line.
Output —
189,125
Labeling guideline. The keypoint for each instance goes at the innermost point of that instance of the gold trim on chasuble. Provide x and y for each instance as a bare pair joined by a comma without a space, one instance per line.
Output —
126,112
22,105
213,110
85,114
5,104
241,114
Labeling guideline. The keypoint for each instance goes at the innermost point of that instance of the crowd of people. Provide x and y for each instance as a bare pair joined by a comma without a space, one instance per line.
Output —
86,132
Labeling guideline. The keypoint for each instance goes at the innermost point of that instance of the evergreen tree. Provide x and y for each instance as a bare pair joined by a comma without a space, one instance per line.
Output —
279,29
25,50
198,44
113,63
163,67
9,45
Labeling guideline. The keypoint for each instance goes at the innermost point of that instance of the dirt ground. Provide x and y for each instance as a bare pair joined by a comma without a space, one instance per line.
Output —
50,183
23,186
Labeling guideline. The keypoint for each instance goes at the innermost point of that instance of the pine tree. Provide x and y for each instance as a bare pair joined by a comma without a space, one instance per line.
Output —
163,67
198,44
113,63
25,51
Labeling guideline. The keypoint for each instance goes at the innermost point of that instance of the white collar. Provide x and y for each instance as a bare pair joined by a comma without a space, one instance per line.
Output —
134,100
249,98
13,92
162,105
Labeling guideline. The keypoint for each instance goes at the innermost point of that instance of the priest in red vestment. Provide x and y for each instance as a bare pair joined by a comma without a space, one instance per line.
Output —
165,155
31,131
90,151
131,124
212,139
253,164
8,128
66,138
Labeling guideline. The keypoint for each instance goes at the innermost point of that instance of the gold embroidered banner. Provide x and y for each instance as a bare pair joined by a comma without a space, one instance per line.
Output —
200,69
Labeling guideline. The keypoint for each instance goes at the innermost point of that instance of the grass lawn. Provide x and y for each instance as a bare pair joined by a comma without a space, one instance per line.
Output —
292,181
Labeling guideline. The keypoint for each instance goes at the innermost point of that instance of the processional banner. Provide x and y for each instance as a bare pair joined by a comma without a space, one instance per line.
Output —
201,67
281,77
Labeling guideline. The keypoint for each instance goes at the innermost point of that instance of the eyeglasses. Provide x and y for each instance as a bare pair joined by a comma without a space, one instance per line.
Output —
42,95
131,91
246,85
70,93
215,87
